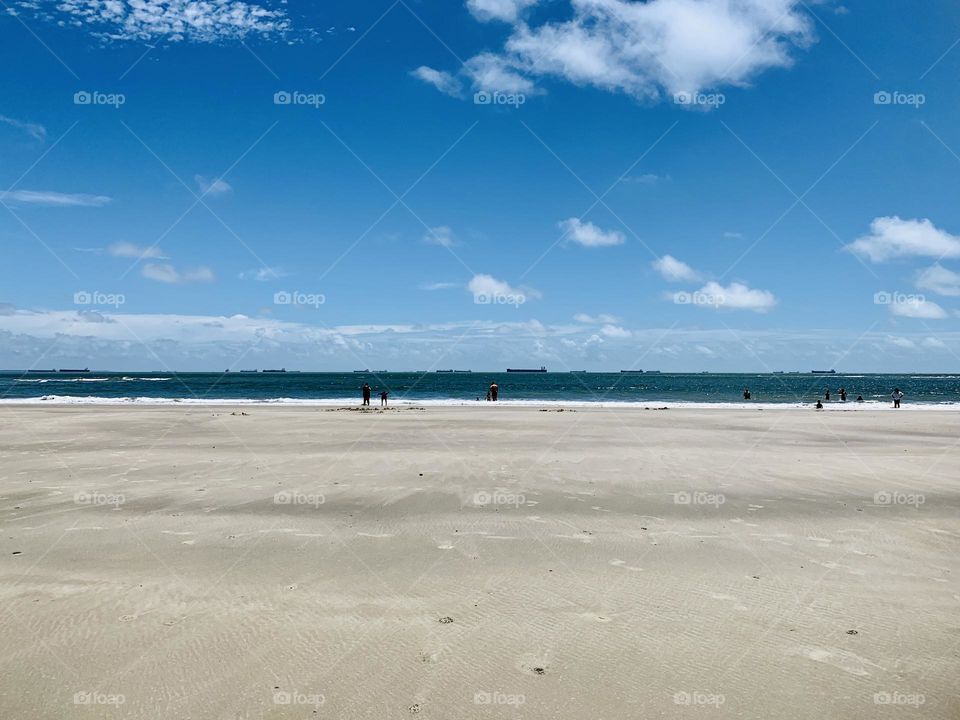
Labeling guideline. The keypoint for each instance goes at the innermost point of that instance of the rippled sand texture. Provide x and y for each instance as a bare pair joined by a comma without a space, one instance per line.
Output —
463,563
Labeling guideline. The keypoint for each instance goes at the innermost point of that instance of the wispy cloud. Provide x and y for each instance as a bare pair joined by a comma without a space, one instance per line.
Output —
167,273
916,307
441,235
488,287
939,280
443,81
430,286
129,250
53,199
213,187
602,319
263,274
172,20
675,270
34,130
589,235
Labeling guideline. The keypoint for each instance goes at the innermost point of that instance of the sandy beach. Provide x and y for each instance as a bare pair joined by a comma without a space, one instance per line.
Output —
509,562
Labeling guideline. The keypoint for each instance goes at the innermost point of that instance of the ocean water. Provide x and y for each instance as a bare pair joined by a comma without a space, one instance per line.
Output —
458,388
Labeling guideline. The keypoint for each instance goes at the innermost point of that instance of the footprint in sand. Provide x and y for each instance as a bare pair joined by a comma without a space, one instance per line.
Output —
623,564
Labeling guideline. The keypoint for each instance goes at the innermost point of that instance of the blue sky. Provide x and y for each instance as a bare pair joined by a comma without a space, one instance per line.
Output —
675,184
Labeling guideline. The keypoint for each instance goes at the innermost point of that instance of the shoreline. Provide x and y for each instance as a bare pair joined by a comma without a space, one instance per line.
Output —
831,406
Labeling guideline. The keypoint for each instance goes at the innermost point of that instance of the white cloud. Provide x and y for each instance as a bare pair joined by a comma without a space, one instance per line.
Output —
602,319
892,237
263,274
129,250
916,307
53,199
675,270
901,342
489,287
506,10
37,132
646,179
440,235
649,48
934,343
589,235
174,20
939,280
491,72
614,331
430,286
214,187
166,273
730,235
735,296
441,80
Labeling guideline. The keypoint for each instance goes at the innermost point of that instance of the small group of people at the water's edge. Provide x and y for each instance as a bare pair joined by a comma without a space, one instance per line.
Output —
493,392
366,395
897,396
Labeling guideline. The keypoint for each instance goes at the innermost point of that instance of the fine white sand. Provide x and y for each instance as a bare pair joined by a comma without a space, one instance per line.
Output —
291,562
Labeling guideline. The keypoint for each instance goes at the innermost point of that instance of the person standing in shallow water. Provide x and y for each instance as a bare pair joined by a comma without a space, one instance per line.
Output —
826,395
383,398
494,391
843,394
897,397
366,394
